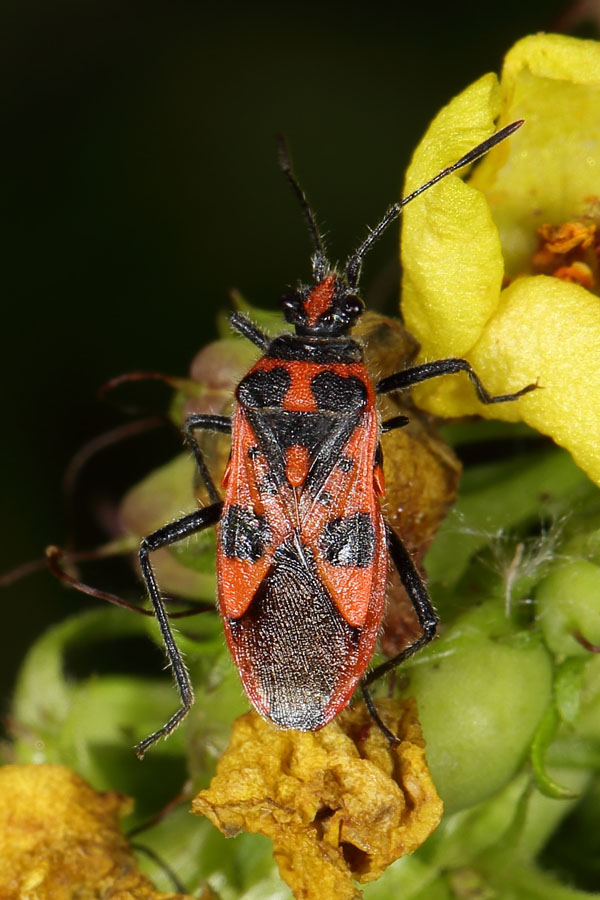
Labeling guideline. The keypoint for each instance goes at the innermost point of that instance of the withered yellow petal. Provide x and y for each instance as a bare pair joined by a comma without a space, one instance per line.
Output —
339,804
60,839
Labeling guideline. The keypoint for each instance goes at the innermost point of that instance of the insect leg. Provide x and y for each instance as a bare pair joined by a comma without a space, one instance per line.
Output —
417,592
372,709
408,377
242,324
154,856
396,422
164,536
207,423
56,560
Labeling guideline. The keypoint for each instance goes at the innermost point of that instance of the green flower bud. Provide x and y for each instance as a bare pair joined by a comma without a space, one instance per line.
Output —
481,692
567,605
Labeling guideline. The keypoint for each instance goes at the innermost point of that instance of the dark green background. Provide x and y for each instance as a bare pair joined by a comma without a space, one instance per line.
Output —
139,184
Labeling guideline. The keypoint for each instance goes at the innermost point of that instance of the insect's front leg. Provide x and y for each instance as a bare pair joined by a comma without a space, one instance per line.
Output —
170,534
416,374
242,324
197,422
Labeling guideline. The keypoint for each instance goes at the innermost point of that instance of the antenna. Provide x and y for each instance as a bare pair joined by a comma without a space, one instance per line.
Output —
354,263
320,265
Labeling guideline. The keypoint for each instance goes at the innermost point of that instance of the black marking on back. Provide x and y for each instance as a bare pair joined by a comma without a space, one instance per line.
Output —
329,451
306,428
299,644
244,535
315,350
269,444
324,435
339,393
262,389
349,541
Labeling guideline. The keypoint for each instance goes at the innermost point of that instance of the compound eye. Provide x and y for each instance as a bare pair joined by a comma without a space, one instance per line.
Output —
353,306
291,304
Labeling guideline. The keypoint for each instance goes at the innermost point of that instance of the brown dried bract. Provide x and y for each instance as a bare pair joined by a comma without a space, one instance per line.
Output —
339,804
59,840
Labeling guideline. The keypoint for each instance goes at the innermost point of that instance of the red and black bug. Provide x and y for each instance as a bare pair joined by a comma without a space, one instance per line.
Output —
303,548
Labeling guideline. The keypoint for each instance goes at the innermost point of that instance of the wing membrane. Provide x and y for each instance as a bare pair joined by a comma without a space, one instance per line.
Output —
258,515
343,525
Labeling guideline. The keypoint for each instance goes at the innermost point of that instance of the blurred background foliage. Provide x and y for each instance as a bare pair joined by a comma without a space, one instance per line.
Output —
140,184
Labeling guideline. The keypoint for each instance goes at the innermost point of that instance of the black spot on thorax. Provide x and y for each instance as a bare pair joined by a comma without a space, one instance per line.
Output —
263,389
338,393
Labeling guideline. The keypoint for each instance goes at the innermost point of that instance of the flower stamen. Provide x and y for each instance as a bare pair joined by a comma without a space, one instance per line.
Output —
569,251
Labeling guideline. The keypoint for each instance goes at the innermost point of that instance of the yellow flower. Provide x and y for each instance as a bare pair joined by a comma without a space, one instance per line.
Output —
463,242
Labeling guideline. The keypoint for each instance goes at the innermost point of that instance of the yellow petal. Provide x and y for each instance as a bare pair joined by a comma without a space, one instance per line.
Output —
553,56
539,329
551,172
449,288
546,330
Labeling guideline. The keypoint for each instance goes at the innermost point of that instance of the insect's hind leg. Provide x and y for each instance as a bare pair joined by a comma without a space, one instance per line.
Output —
372,710
428,620
169,534
197,422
